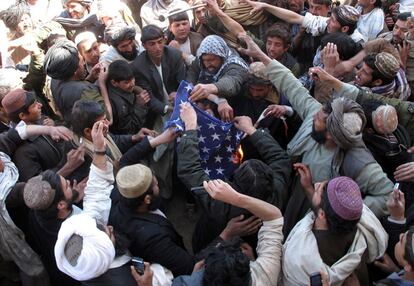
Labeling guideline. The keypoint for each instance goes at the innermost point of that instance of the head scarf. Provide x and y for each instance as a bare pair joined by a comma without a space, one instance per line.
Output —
345,124
61,60
215,45
96,252
13,246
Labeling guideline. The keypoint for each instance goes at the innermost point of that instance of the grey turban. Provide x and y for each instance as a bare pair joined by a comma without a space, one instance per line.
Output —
118,32
61,60
12,15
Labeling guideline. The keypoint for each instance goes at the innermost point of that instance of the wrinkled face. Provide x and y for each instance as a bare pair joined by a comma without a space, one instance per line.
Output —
211,63
318,9
25,25
125,85
363,76
91,55
200,14
127,49
275,48
76,10
333,25
296,5
34,113
319,126
259,91
180,30
155,48
398,33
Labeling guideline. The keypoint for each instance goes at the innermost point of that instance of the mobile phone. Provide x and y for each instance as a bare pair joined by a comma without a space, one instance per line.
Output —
396,187
138,264
315,279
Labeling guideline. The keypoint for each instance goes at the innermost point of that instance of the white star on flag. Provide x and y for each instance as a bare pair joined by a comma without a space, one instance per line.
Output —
207,171
205,150
230,149
220,171
218,158
228,137
211,125
188,88
201,139
215,137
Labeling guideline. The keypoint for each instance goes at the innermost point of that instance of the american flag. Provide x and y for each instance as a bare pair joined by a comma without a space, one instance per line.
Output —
218,140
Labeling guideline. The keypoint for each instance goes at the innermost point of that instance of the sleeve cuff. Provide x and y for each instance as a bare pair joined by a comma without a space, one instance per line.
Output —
397,221
21,129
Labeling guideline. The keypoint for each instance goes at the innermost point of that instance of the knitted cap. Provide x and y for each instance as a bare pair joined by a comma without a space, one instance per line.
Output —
133,181
38,194
345,198
14,100
258,69
387,64
347,15
385,119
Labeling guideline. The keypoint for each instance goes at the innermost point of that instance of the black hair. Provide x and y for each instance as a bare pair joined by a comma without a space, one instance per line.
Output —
119,70
322,2
55,182
254,178
378,3
134,203
280,31
408,250
327,107
336,224
346,47
151,32
183,16
370,106
351,27
404,16
30,99
227,265
369,60
84,115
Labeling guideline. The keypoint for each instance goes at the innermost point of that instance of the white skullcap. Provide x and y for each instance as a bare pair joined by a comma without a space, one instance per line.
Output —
82,251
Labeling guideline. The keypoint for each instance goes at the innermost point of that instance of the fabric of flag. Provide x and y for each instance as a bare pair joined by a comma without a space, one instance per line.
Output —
218,140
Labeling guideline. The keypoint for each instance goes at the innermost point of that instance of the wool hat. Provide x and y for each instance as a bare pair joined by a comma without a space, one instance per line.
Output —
134,180
387,64
345,198
14,100
347,15
258,70
82,251
38,194
385,119
61,60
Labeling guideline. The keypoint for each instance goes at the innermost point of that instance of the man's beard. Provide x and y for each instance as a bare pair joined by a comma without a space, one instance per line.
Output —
318,136
155,203
129,56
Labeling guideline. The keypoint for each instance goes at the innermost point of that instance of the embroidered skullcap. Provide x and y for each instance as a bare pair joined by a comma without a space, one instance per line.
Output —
61,60
134,180
345,198
38,194
347,15
385,119
16,99
82,251
387,64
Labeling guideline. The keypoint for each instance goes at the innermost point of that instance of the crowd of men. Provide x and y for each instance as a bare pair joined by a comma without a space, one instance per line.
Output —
103,119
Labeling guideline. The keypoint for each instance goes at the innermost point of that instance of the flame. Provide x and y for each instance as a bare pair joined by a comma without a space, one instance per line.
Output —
238,155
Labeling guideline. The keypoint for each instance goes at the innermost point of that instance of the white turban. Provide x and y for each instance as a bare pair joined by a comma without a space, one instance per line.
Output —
96,251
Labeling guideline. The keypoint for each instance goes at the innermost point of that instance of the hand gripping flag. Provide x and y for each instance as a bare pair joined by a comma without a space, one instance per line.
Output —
218,140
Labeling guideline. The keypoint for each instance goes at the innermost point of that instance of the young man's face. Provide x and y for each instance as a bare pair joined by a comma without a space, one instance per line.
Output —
25,25
259,91
275,47
211,63
34,113
398,33
125,85
155,48
127,49
180,30
200,14
363,76
318,9
76,10
296,5
90,52
333,25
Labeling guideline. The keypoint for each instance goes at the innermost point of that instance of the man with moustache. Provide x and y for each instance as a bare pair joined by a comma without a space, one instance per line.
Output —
123,46
66,67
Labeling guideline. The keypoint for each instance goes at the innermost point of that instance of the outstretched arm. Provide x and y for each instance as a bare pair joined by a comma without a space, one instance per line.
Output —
283,14
230,24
